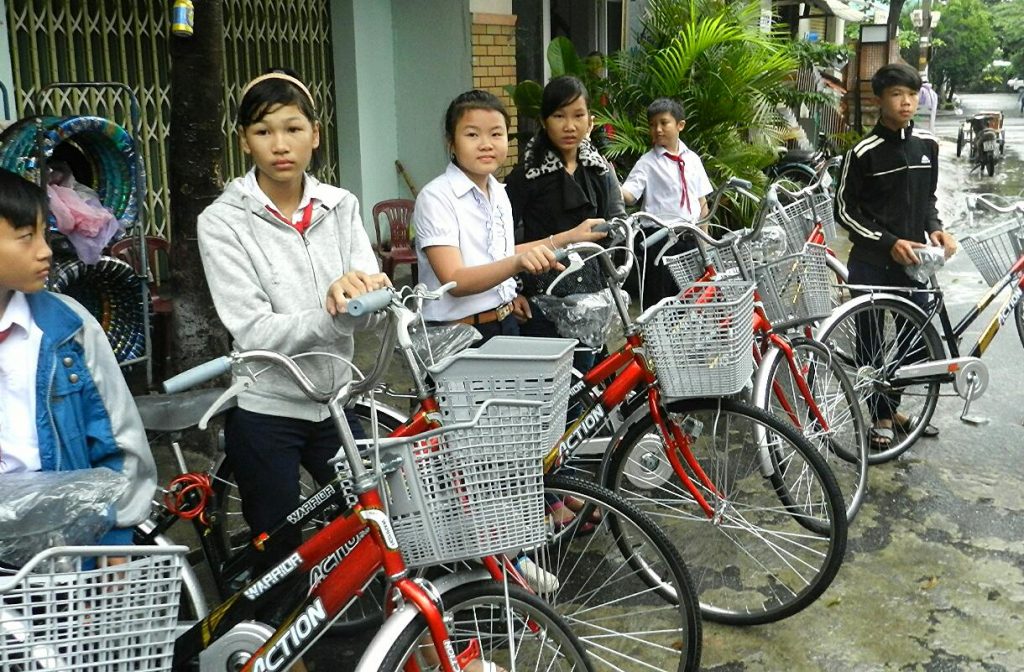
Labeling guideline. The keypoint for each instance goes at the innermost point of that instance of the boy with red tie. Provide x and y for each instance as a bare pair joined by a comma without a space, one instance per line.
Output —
671,181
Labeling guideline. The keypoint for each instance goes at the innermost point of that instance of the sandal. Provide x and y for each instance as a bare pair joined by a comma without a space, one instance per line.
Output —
558,510
908,423
576,505
881,437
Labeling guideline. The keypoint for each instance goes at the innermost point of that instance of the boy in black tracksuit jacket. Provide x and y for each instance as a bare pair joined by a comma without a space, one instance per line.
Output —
886,200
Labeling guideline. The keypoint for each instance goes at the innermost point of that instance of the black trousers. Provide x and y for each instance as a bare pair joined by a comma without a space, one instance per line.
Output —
872,342
265,453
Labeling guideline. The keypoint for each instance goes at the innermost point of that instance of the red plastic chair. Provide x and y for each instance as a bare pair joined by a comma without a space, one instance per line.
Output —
397,213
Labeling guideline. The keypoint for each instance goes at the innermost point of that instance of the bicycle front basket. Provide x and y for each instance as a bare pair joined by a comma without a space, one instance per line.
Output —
469,493
55,616
701,342
795,288
508,367
994,250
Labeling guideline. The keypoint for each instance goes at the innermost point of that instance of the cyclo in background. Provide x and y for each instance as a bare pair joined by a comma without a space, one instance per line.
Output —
983,134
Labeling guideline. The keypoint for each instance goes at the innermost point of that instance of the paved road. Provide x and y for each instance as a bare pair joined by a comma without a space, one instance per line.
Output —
934,578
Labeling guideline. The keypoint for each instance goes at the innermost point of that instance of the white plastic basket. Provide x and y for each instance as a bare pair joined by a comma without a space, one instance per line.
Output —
54,616
701,342
824,209
469,493
795,288
994,250
508,367
688,267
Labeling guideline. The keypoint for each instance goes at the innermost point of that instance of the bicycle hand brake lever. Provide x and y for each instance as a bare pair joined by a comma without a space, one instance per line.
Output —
242,384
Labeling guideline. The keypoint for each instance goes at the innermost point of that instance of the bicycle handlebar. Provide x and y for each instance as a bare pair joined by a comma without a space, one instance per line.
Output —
197,375
986,200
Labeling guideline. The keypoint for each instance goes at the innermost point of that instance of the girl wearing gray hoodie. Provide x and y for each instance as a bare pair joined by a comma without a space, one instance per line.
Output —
283,253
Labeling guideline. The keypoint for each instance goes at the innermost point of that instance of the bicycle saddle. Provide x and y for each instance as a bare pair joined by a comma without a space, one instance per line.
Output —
178,412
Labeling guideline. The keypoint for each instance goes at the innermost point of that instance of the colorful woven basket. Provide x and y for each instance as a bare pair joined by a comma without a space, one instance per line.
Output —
107,147
110,291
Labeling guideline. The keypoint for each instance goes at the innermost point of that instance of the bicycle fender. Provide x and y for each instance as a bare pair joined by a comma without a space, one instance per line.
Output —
860,300
381,643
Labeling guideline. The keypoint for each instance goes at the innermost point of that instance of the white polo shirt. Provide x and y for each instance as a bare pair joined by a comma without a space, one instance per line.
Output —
19,356
655,177
454,212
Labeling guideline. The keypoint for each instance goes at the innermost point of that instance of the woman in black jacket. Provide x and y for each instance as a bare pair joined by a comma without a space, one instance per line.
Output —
561,183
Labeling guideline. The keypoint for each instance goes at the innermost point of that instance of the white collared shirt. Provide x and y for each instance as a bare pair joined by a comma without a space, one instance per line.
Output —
19,357
253,187
655,177
454,212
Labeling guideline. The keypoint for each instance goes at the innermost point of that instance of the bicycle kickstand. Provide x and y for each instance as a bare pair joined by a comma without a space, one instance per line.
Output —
973,385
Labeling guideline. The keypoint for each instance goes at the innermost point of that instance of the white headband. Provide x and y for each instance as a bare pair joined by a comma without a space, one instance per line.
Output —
279,75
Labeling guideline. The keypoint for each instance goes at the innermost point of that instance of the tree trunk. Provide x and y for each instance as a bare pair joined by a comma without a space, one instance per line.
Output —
895,9
196,148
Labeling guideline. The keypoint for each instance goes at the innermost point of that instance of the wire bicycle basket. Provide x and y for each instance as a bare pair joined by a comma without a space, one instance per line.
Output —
795,288
994,250
700,343
468,493
472,492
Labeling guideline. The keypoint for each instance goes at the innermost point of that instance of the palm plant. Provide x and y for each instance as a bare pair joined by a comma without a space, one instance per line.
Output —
730,76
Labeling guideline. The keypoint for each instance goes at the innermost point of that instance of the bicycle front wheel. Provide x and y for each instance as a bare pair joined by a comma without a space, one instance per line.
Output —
843,440
517,631
755,556
872,337
620,583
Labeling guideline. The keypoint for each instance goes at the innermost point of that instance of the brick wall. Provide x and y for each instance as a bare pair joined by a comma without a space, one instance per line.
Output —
494,67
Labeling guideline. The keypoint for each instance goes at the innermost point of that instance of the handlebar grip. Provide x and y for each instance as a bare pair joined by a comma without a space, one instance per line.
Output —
561,254
371,302
655,238
740,183
603,227
197,375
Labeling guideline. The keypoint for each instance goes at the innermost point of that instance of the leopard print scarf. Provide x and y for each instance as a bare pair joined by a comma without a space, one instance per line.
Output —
587,155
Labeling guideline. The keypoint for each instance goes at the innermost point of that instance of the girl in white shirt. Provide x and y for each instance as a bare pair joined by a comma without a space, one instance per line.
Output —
464,227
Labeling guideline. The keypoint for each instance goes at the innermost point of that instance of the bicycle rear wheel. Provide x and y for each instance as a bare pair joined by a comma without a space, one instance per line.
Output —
844,445
754,559
516,632
872,337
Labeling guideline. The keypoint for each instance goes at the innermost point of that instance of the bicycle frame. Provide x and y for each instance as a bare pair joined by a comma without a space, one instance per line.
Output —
339,561
955,334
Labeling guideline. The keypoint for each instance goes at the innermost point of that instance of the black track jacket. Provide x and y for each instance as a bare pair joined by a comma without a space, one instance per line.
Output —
887,191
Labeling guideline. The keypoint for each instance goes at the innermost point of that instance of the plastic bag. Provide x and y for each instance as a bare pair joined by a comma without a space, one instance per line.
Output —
442,341
585,317
932,259
42,509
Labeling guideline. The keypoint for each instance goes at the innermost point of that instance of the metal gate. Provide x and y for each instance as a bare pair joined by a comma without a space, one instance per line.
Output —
127,41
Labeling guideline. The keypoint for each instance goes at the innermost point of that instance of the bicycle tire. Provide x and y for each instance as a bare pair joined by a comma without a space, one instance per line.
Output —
919,341
1018,318
745,559
838,277
844,447
480,610
612,570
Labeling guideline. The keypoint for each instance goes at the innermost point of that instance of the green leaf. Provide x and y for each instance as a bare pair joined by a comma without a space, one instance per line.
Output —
563,59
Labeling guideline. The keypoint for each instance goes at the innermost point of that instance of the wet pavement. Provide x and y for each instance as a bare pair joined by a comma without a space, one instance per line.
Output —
934,575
